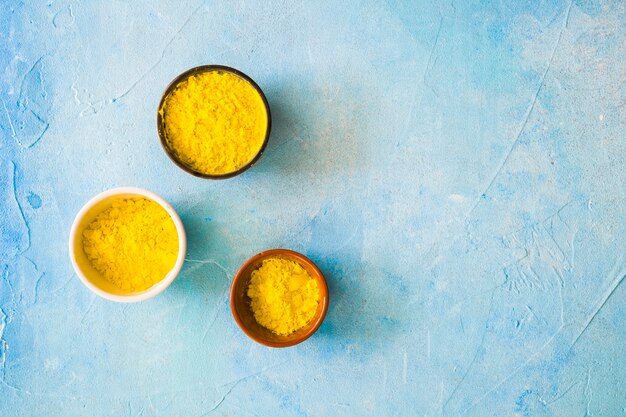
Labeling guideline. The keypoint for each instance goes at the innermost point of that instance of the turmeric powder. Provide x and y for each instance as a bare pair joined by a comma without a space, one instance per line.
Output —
215,122
133,244
284,297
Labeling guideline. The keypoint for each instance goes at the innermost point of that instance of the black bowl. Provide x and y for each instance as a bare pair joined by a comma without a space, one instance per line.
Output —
161,128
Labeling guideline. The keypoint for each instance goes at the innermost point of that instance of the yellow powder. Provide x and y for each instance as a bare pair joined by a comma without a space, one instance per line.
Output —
133,244
284,297
215,122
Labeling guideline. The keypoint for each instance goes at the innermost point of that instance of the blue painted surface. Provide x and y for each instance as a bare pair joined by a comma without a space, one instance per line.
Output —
456,170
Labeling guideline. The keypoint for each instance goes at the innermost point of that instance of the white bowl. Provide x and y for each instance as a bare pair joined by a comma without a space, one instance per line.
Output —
92,278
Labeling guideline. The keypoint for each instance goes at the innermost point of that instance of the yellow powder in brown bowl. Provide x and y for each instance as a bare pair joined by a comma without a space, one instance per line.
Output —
284,297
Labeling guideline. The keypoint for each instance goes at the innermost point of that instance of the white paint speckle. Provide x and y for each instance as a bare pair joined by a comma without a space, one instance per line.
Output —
457,198
52,363
441,285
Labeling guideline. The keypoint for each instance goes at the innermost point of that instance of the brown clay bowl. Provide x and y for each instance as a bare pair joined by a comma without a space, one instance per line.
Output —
240,302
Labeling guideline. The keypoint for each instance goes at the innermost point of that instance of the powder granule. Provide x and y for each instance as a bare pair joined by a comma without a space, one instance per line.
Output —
215,122
284,297
133,244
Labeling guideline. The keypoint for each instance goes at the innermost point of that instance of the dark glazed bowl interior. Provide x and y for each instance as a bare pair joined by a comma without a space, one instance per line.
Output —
240,302
161,123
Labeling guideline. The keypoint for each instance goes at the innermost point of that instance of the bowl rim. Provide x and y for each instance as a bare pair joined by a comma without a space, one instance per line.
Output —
160,122
324,297
159,286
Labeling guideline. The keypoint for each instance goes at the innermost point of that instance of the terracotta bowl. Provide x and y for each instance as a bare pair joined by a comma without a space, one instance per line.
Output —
240,302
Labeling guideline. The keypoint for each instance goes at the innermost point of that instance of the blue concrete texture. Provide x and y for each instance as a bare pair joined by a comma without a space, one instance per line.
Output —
456,169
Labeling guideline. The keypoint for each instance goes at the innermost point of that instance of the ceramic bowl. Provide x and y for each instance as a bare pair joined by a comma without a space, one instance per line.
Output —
92,278
161,125
240,302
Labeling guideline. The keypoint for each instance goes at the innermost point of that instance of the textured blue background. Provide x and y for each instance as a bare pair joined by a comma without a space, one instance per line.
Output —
457,171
